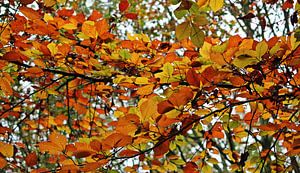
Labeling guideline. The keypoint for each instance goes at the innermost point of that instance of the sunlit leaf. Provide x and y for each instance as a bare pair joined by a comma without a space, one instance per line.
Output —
216,5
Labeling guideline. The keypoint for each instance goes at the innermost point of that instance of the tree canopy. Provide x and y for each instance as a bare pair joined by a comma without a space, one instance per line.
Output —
149,86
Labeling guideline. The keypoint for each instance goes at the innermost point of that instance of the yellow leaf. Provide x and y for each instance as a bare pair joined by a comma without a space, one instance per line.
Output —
173,113
216,5
261,49
52,48
69,26
48,17
206,50
166,74
141,80
6,150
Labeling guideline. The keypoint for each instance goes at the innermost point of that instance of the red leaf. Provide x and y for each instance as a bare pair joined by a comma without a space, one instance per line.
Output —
82,154
160,150
26,2
128,153
287,4
190,167
123,5
132,16
192,78
164,106
31,159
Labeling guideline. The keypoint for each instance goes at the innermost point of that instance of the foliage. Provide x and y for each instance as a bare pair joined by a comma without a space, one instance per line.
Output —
77,94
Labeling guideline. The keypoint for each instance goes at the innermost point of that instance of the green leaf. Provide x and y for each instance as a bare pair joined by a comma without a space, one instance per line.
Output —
197,36
183,30
125,54
180,13
243,61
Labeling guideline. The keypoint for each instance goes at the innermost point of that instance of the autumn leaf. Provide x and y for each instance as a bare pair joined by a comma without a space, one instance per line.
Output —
123,5
216,5
166,75
6,149
243,61
5,86
197,36
183,31
89,29
26,2
31,159
56,144
117,140
30,13
182,97
3,162
261,49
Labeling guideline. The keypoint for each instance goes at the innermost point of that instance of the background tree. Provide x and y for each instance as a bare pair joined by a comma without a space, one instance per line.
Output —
82,92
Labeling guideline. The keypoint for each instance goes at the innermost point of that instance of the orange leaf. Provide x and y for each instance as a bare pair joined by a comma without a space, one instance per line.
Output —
128,153
50,147
118,140
182,97
30,13
234,41
123,5
93,166
36,71
164,106
96,15
5,86
6,150
102,28
190,167
217,131
3,162
89,29
58,139
31,159
145,90
249,117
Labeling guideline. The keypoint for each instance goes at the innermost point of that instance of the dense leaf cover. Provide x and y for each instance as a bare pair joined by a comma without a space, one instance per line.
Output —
74,97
